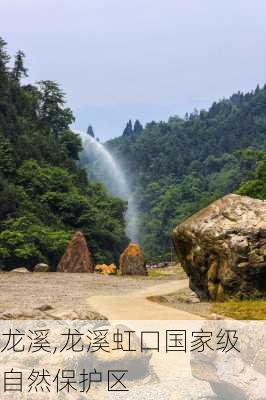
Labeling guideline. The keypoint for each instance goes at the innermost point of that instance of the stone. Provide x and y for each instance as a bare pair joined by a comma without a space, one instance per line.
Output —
234,375
212,290
220,293
221,248
136,362
77,257
44,307
187,296
132,261
41,267
20,270
255,257
262,250
106,269
48,312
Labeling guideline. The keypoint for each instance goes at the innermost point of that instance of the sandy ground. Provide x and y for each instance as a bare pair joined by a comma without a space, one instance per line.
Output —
113,296
66,291
135,305
117,298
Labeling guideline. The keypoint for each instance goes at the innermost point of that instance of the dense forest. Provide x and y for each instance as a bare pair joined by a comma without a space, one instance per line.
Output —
44,196
178,167
175,168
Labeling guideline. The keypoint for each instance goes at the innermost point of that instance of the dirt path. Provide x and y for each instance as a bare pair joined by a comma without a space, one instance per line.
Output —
118,298
135,306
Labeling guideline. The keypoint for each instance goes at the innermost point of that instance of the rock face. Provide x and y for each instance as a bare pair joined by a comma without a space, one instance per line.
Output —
132,261
232,375
106,269
41,267
223,248
77,257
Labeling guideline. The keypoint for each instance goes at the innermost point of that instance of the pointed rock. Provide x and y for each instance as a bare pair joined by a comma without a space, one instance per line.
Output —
132,261
77,257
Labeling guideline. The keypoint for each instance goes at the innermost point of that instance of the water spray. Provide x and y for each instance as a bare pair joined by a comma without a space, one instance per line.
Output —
101,166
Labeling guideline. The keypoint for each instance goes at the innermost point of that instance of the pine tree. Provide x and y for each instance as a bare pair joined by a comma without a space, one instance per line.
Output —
52,112
90,131
4,57
19,71
128,131
138,128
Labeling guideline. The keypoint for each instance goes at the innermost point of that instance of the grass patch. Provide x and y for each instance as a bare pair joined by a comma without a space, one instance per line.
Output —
172,272
156,273
241,309
251,309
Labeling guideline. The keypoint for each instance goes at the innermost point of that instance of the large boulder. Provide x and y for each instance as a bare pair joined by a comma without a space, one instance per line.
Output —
238,375
132,261
223,248
77,257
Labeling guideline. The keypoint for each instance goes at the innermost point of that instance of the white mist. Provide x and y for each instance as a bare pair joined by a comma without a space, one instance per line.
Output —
101,165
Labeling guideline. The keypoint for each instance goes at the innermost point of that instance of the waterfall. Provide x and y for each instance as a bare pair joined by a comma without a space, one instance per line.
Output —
101,166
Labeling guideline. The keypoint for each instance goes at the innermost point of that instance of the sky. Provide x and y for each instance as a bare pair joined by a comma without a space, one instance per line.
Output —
145,59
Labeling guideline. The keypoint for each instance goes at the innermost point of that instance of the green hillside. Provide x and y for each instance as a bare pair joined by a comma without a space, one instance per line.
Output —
44,196
180,166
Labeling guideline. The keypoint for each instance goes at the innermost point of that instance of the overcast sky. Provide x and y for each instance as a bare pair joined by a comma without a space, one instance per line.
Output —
146,59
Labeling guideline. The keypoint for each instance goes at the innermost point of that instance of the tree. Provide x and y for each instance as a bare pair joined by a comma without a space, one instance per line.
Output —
4,57
44,195
19,71
53,114
138,128
178,167
90,131
256,185
6,156
4,60
128,131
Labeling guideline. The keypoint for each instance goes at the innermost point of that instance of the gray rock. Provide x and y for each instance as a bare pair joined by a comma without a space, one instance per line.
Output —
233,375
20,270
41,267
48,312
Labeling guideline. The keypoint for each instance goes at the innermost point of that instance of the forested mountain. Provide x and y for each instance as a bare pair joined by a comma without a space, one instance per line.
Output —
180,166
44,196
175,168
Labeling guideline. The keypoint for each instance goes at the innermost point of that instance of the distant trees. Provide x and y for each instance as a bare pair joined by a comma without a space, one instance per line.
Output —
4,58
19,70
180,166
255,184
130,131
138,128
90,131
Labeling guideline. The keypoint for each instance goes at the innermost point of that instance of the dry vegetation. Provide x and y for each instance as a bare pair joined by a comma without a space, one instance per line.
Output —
241,310
171,272
254,309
